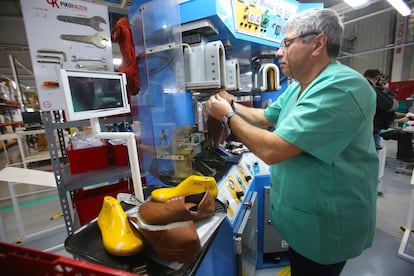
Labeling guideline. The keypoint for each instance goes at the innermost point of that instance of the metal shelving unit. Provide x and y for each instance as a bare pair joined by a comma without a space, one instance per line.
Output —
6,108
65,181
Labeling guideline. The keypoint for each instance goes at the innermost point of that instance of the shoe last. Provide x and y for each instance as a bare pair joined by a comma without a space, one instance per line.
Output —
118,236
193,184
192,207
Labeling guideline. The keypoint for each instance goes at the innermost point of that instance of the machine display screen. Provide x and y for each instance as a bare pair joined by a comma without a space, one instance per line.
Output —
94,94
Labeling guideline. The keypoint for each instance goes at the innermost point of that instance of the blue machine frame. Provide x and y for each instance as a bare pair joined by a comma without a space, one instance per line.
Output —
166,110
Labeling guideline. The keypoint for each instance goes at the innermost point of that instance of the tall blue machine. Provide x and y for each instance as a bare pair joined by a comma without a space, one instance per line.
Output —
187,50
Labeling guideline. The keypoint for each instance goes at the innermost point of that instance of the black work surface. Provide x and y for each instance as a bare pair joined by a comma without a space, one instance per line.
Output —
86,244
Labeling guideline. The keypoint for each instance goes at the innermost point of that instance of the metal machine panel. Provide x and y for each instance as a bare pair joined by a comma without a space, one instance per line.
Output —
205,65
272,241
247,231
236,184
272,248
220,258
255,21
232,75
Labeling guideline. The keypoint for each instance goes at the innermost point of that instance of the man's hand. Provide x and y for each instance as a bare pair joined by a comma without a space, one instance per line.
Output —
218,106
227,96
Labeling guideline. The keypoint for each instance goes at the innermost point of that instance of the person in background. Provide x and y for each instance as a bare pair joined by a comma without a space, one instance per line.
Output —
324,166
384,114
404,139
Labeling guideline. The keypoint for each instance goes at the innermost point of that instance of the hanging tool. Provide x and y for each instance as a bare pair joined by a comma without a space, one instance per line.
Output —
92,67
98,39
76,58
92,22
52,51
54,59
59,62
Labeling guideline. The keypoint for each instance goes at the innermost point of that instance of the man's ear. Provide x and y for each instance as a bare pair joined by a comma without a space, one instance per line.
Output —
319,43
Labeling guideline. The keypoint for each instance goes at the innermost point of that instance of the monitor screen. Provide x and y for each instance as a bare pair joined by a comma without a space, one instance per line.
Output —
94,94
32,119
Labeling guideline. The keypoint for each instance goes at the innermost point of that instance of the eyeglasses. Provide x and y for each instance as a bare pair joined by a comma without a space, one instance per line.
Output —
285,43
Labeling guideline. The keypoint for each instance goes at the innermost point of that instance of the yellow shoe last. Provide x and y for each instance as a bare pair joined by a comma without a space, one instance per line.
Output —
119,237
194,184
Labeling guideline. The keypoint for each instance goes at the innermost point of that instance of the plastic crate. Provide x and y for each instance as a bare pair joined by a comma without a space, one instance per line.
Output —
403,89
120,155
20,260
88,202
83,160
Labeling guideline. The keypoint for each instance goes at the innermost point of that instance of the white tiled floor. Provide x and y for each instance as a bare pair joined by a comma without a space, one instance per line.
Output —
380,260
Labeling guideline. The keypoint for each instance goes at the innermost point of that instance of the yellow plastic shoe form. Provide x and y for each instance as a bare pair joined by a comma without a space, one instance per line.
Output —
193,184
119,237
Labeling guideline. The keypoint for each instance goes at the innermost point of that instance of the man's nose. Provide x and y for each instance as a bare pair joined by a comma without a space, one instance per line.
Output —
279,52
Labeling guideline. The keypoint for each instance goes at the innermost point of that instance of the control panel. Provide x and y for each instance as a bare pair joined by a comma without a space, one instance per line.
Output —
262,19
235,185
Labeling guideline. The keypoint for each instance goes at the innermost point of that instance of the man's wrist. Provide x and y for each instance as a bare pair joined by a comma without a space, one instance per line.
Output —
233,105
225,120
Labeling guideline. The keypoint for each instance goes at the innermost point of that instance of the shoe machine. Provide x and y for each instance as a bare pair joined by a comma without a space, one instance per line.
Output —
186,51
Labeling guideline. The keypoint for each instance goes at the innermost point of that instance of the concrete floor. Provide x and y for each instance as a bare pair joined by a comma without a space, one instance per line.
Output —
392,208
44,229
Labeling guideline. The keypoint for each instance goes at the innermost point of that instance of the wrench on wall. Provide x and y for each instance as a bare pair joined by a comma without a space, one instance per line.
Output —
98,39
92,22
99,59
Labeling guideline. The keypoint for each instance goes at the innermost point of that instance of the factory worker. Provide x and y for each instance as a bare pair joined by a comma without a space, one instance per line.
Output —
324,166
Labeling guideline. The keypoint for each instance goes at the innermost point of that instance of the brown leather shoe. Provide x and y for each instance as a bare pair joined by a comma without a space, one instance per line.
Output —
192,207
179,244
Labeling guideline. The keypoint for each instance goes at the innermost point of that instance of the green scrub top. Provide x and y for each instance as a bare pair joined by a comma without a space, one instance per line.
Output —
323,201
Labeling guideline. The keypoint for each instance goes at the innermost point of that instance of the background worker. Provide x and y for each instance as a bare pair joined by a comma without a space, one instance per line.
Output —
404,138
386,105
324,166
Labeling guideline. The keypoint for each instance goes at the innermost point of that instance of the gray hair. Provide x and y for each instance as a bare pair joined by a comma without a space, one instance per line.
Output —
320,21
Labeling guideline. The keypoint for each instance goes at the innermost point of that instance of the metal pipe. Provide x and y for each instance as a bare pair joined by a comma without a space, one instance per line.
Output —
24,67
132,153
29,194
19,221
347,55
368,15
16,80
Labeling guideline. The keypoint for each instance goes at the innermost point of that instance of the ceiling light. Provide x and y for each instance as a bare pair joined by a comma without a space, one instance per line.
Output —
356,3
400,6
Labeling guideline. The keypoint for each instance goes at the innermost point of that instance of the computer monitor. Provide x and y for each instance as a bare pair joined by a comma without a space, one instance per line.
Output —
32,119
91,94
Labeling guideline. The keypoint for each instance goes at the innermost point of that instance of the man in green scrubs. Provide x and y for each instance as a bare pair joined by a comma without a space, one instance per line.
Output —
324,166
